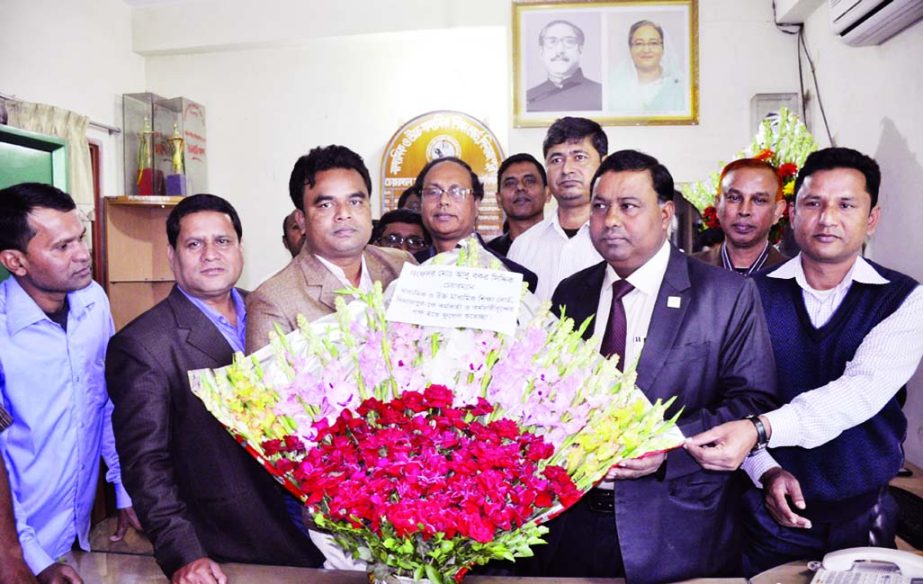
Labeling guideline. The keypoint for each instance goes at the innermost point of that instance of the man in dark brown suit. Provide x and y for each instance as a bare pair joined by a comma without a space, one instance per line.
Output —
330,188
200,497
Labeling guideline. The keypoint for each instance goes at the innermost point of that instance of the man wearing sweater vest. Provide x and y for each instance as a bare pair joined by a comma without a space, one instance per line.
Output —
847,334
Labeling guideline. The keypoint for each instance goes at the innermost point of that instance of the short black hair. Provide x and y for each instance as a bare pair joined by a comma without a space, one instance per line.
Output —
838,157
399,216
18,201
516,159
196,204
408,192
577,31
634,161
570,129
476,184
319,159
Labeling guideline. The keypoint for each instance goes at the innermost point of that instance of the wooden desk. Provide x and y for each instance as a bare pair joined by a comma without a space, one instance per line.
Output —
913,483
792,573
130,562
111,568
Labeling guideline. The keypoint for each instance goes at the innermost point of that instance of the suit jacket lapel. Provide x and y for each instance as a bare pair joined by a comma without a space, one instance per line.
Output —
585,299
320,281
665,321
379,270
199,331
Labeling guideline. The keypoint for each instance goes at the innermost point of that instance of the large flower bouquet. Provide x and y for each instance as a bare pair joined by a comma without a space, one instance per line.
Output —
784,142
424,450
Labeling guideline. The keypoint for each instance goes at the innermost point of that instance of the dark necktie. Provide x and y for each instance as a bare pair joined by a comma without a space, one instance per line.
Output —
614,339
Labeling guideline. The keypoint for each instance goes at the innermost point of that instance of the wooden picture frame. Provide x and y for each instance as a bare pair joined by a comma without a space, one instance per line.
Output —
623,62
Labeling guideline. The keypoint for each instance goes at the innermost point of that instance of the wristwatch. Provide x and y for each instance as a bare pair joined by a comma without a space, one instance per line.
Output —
761,439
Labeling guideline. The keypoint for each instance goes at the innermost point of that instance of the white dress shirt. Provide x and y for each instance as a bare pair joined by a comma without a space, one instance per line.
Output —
883,363
546,250
639,303
365,279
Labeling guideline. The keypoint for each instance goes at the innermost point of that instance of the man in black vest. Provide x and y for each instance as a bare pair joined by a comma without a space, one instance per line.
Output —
847,334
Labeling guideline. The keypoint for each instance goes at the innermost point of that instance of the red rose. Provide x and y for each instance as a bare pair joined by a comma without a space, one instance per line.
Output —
437,396
787,170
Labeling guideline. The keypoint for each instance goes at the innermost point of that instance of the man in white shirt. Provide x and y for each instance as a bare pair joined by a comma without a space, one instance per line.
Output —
330,188
847,335
560,245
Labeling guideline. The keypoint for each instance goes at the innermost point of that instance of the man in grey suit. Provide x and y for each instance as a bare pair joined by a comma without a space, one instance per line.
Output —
690,330
200,497
330,188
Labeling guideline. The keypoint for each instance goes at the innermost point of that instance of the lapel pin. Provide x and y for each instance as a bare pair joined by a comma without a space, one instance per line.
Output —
674,301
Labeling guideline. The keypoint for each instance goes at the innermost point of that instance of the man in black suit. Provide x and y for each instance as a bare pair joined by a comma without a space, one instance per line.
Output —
200,497
452,195
690,330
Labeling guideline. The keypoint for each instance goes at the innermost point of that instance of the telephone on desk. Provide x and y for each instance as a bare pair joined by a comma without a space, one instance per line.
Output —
869,565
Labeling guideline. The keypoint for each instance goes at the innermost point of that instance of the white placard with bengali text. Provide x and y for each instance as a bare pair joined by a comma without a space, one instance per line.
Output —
449,296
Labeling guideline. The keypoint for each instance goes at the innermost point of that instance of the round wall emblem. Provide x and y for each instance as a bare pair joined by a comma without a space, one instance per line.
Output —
437,135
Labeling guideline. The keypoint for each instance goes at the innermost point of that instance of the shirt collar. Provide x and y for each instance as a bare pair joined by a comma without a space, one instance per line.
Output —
555,225
861,271
340,275
239,306
575,78
23,312
649,276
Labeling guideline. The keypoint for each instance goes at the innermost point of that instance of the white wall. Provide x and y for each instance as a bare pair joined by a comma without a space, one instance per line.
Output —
266,107
74,54
740,54
299,73
872,96
344,83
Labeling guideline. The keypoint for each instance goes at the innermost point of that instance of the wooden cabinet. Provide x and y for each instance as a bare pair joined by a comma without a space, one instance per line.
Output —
137,273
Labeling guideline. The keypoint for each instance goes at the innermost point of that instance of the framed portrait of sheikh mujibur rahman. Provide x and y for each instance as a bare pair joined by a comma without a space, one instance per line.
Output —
623,62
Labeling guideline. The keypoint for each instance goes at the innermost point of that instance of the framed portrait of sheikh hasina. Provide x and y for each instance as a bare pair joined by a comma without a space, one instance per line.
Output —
624,62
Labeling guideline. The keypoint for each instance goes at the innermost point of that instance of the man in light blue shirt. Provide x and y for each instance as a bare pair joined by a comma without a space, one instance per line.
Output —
54,327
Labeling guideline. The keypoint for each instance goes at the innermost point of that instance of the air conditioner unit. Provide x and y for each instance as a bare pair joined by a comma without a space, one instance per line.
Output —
872,22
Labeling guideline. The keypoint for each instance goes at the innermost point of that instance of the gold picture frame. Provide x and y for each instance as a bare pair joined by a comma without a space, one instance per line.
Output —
620,63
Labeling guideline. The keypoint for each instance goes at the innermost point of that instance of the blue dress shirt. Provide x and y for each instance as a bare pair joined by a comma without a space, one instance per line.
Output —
236,336
52,383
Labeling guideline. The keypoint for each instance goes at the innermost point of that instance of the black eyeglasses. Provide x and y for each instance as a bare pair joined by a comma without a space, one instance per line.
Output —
399,241
456,192
568,42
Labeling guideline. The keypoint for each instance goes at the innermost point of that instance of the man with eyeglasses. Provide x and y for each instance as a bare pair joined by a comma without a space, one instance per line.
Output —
566,89
330,187
522,194
401,229
452,194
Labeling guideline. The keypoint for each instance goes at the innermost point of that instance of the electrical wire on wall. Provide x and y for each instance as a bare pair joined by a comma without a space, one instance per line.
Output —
802,49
